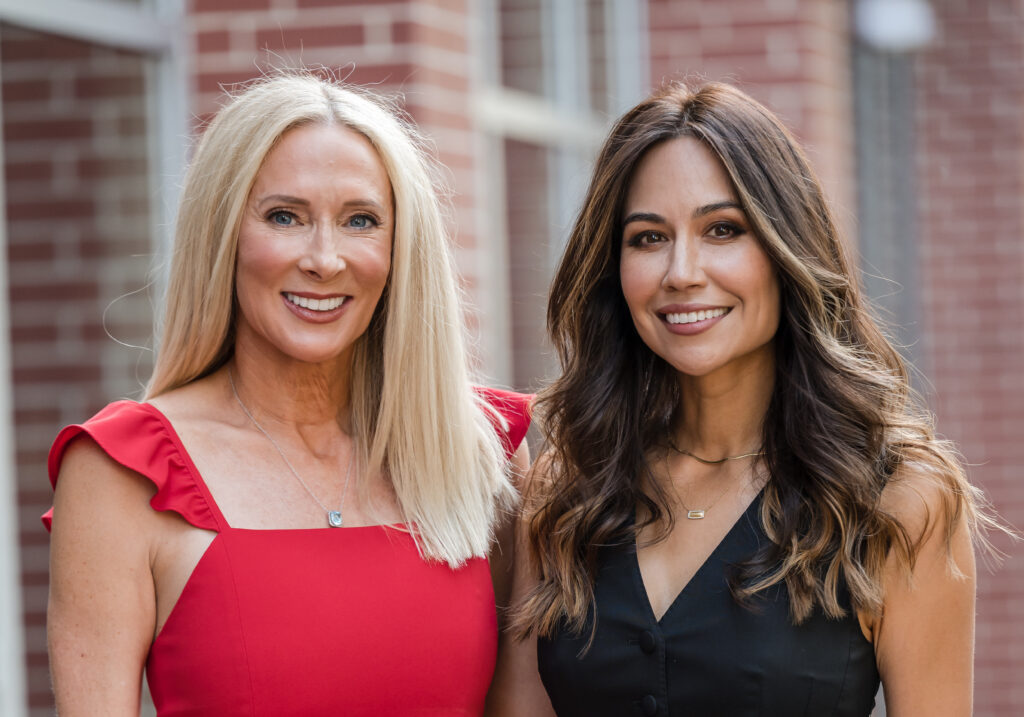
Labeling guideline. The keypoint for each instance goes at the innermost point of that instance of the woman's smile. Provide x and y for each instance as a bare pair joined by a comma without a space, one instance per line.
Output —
313,303
688,321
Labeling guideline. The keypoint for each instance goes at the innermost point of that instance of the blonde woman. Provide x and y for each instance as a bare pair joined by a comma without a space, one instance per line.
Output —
297,517
741,511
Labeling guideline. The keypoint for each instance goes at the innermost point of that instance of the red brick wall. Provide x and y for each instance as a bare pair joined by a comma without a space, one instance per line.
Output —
78,227
792,55
970,148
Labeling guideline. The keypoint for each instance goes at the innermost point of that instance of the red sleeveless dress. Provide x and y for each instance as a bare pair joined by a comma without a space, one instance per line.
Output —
330,621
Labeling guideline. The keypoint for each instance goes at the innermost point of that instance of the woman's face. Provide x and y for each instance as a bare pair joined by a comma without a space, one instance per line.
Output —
702,292
314,246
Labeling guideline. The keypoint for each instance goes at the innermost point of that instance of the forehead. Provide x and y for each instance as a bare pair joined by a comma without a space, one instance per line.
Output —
679,170
316,153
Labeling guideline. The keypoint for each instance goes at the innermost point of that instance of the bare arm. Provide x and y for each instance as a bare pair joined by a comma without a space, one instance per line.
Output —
102,606
924,641
502,553
517,689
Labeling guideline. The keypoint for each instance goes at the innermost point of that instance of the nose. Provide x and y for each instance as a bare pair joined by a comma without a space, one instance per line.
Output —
323,257
685,267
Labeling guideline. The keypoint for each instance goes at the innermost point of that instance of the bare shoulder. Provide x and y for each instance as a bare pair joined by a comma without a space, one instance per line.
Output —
195,402
538,479
927,502
202,415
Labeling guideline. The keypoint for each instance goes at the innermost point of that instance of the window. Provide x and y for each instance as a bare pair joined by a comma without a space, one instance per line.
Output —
555,76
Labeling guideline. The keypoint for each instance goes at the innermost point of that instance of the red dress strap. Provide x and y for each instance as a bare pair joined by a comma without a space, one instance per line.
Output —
140,438
515,408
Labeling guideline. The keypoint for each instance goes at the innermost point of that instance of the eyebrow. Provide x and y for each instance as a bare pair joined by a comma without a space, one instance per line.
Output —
283,199
698,212
643,217
288,199
716,207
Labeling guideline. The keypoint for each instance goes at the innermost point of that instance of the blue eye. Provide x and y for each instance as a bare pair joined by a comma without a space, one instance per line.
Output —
281,218
362,221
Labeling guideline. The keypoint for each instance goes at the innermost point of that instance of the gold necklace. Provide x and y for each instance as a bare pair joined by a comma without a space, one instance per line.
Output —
699,513
708,461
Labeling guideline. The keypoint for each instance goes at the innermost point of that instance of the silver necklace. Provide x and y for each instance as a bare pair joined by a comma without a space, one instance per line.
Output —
334,518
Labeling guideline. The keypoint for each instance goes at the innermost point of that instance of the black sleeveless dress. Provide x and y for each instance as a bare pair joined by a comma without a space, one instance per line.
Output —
707,656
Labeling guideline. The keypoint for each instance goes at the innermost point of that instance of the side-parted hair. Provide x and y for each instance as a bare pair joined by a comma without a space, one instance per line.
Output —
842,421
414,411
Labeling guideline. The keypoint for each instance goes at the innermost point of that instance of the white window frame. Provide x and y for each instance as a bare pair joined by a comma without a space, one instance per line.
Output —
561,122
153,28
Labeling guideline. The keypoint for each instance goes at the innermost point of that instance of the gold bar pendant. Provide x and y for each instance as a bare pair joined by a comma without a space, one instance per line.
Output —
695,514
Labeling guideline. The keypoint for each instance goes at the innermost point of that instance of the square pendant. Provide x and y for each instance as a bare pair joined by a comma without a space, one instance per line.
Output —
695,514
334,518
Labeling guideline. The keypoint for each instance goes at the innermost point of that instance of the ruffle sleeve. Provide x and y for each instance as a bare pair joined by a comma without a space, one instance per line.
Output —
515,408
139,437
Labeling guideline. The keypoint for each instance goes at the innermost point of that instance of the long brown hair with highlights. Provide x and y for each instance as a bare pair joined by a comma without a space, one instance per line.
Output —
841,422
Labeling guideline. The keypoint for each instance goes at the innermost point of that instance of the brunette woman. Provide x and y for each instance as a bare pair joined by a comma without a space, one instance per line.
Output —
741,510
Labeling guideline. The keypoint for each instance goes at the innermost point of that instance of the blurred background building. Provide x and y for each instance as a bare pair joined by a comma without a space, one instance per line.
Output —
912,111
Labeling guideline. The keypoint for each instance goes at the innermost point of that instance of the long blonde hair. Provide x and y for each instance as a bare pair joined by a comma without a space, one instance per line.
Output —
413,408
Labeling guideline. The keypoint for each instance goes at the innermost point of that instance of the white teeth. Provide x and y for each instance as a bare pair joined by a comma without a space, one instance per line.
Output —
692,316
316,304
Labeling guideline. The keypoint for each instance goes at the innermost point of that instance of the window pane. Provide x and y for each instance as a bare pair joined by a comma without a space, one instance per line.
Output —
522,45
529,231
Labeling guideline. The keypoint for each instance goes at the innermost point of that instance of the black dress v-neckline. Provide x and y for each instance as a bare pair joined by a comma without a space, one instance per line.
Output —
748,514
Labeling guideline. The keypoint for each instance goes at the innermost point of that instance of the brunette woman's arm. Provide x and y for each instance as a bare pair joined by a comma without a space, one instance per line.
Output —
924,639
517,690
102,606
503,552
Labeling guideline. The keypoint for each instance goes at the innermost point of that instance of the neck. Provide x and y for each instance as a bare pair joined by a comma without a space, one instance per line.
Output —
722,414
297,394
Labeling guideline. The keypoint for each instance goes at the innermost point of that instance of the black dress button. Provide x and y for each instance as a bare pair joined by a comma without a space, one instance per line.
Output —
647,642
650,705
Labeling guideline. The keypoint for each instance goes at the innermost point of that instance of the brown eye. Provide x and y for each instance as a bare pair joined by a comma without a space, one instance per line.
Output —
645,239
725,230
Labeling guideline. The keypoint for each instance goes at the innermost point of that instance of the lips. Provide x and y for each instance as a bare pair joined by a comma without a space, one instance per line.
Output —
328,304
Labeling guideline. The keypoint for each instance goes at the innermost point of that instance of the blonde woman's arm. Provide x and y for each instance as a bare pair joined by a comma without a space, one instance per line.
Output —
102,606
517,690
924,640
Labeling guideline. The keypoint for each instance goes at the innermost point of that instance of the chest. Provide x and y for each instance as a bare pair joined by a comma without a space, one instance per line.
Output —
255,487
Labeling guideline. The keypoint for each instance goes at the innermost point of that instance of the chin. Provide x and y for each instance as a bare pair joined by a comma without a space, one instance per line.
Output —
316,354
